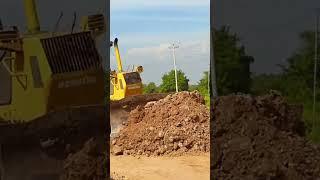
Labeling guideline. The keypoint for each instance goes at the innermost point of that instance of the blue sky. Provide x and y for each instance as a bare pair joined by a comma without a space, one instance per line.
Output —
145,29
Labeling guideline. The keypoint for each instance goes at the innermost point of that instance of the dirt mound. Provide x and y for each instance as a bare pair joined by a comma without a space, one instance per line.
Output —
260,137
177,124
120,109
88,163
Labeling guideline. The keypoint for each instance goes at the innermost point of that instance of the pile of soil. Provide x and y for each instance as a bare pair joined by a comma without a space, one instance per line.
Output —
260,137
88,163
175,125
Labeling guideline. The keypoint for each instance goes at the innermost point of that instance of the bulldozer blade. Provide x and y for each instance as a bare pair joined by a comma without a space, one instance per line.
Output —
120,110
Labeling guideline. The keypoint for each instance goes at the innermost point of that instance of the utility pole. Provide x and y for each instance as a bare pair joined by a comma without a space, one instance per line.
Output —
212,60
315,67
173,47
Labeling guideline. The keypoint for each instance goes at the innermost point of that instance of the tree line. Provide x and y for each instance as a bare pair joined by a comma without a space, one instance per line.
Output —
168,84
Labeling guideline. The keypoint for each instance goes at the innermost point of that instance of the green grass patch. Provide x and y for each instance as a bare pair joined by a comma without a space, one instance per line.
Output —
314,135
207,100
312,126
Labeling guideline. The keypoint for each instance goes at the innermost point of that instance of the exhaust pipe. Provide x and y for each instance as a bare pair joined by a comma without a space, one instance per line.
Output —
32,16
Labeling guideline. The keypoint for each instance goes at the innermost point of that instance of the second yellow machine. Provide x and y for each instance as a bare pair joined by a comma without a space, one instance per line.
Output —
124,83
126,87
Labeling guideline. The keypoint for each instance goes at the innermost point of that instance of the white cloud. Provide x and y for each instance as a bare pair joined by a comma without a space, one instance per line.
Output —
164,19
158,53
192,57
132,4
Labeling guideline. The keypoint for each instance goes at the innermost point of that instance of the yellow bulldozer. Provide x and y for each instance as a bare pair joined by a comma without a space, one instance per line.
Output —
124,84
126,91
52,90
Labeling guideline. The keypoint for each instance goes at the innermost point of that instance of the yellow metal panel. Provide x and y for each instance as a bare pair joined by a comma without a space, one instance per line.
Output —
36,96
32,16
119,93
28,102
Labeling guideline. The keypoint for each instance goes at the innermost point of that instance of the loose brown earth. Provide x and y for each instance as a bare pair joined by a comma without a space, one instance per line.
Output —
261,138
175,125
174,131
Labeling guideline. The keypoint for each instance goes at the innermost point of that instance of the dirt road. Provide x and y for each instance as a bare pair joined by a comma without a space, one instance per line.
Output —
162,168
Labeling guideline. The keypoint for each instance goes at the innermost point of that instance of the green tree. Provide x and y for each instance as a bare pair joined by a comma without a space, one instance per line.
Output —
263,83
232,63
203,84
202,87
169,84
193,87
298,77
299,71
150,88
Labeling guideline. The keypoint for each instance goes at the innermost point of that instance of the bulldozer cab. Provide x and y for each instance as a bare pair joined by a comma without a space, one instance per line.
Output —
125,84
132,78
